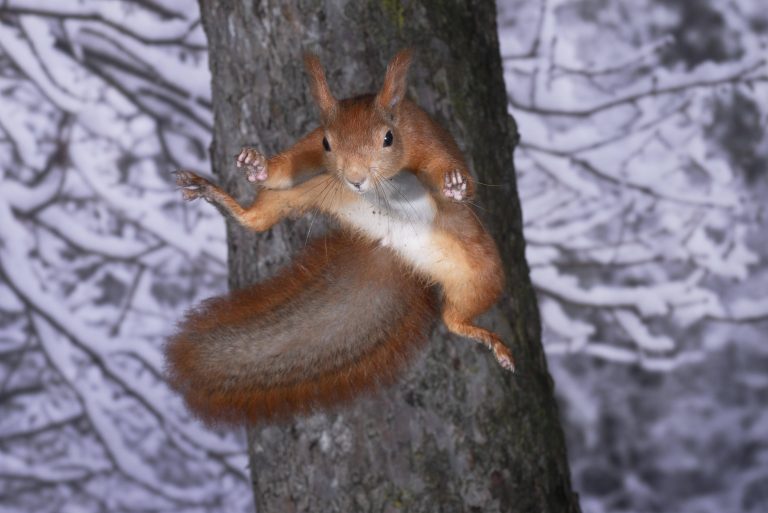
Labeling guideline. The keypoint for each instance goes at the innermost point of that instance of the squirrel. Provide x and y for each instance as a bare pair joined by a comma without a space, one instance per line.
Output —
354,306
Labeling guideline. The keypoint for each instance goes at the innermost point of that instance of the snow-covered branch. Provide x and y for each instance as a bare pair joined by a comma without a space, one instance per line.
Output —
100,102
638,223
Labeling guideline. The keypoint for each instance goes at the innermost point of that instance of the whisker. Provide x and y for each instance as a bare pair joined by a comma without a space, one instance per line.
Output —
322,194
471,211
489,184
319,184
395,188
410,220
381,197
311,223
474,205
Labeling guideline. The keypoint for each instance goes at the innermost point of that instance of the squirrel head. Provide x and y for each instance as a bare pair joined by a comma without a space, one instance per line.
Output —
362,140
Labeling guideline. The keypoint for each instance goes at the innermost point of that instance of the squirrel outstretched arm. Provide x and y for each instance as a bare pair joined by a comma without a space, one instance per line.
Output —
398,184
305,158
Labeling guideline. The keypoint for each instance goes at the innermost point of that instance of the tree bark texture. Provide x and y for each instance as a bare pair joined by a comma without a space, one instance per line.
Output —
458,433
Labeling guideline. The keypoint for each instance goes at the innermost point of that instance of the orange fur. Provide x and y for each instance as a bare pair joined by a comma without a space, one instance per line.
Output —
303,160
218,395
396,180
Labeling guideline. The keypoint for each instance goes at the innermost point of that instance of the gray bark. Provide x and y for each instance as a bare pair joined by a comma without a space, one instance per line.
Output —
458,433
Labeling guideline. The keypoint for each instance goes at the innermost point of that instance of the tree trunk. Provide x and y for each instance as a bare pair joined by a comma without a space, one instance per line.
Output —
458,433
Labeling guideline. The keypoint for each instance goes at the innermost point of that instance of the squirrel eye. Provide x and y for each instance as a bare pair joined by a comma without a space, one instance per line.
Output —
326,145
388,139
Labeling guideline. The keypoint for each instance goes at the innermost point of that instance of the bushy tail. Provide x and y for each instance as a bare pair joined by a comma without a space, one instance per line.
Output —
342,318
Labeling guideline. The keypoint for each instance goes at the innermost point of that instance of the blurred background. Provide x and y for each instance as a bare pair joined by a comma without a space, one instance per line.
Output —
643,173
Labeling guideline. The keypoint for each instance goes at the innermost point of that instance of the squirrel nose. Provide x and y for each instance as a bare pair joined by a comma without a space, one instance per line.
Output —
356,185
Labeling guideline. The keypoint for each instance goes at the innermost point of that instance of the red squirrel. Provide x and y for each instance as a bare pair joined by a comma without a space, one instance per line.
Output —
353,307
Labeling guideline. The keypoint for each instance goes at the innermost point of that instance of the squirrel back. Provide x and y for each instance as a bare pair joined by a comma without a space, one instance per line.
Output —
295,342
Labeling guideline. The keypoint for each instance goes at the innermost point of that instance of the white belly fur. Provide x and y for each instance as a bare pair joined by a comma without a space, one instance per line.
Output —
402,220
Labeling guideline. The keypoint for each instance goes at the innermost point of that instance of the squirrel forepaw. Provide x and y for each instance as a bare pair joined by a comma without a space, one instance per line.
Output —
455,185
192,186
254,162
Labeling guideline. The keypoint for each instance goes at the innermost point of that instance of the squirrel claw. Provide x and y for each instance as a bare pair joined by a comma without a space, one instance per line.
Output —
504,357
254,162
192,186
455,185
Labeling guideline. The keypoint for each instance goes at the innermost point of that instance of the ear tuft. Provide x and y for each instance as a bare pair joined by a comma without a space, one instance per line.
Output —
319,87
395,81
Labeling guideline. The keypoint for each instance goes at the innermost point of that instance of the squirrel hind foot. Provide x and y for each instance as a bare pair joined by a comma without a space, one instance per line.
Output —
488,338
504,356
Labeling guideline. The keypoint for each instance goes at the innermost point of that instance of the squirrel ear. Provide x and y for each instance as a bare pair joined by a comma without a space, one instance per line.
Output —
393,90
319,86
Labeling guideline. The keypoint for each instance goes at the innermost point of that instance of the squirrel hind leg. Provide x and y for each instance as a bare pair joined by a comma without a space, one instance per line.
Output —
463,327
